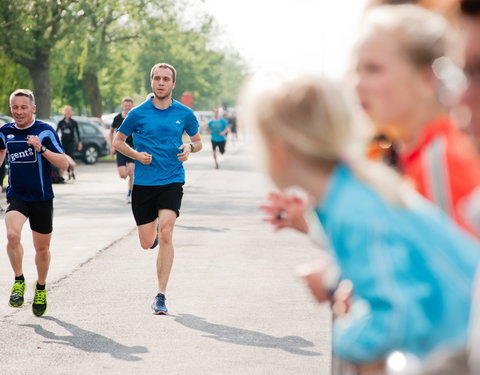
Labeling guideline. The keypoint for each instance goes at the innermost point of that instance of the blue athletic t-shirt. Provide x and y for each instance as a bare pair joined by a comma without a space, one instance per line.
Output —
216,127
159,133
29,172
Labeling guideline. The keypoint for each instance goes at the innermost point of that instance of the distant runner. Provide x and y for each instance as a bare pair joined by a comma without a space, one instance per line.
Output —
125,165
218,133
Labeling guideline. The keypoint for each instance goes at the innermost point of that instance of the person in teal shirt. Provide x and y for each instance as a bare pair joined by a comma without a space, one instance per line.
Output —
218,132
411,267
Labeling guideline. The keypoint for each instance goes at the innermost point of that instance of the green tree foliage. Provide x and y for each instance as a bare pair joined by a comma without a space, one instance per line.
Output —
30,29
91,53
12,76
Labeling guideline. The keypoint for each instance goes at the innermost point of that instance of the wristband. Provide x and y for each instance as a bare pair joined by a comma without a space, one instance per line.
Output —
192,147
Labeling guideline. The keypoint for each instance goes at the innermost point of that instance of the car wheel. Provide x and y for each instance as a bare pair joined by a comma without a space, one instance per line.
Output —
90,154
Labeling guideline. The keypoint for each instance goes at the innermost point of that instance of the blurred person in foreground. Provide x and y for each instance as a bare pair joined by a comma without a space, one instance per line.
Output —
411,267
471,11
404,77
405,84
466,360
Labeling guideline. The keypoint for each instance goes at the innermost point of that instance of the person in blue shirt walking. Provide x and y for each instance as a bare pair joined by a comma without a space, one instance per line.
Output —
411,267
218,132
32,147
157,126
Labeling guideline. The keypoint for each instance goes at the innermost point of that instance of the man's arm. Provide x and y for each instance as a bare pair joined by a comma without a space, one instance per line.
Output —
121,146
112,149
79,147
186,148
2,155
58,160
196,140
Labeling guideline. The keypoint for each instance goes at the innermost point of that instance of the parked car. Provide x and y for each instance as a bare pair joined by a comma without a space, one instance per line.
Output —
4,119
107,118
93,140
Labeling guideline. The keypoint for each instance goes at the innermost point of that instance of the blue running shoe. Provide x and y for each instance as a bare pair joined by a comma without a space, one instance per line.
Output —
158,304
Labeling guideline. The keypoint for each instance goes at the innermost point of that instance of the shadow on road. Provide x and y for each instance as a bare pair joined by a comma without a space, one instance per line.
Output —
88,341
199,228
239,336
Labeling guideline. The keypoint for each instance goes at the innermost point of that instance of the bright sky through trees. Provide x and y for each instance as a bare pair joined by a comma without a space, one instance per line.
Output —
312,36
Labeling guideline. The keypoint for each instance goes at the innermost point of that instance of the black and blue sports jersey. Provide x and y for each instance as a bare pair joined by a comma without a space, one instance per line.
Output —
29,172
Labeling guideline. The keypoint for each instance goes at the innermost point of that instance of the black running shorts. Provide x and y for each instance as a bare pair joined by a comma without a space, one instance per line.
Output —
220,145
122,160
148,200
39,214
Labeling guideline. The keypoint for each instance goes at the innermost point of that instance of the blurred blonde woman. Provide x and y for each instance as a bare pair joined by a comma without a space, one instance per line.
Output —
405,81
410,266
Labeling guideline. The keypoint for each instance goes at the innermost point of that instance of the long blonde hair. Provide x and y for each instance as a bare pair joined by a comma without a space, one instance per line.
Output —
311,116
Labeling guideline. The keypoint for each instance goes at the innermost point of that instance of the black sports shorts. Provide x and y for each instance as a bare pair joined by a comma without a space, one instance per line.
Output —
122,160
39,214
220,145
147,200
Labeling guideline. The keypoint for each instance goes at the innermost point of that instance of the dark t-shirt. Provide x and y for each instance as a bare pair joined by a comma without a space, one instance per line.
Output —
30,172
68,130
232,121
117,121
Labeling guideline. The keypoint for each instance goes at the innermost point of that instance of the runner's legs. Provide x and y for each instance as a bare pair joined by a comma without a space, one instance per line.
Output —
14,222
166,223
41,242
147,233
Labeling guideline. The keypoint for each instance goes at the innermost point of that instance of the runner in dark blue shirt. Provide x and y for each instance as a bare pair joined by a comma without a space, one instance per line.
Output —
32,147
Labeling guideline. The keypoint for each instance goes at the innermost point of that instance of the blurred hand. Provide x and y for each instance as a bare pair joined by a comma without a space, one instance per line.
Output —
313,274
285,211
183,156
342,298
79,146
144,158
112,150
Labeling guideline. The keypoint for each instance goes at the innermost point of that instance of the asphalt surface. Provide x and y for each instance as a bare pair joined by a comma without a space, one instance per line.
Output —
235,305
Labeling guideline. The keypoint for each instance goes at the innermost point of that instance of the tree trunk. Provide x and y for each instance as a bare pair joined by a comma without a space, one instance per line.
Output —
41,86
90,84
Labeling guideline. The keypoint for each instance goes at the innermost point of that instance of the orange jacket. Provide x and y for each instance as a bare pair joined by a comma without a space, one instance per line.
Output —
445,168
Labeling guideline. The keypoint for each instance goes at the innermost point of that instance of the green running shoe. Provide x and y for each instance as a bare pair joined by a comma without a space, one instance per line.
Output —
39,306
16,297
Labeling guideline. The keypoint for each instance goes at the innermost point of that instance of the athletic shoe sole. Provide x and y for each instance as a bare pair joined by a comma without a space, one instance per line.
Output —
16,307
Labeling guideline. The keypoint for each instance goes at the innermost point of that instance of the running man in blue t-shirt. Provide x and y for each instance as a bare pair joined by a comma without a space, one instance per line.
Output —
218,133
32,147
158,125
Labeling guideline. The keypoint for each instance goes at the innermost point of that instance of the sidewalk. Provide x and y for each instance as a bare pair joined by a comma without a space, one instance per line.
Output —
235,306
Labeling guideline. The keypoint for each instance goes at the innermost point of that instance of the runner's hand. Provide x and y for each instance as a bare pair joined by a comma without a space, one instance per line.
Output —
34,141
285,211
183,156
144,158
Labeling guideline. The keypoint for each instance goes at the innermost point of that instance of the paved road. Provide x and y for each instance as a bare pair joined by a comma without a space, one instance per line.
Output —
235,305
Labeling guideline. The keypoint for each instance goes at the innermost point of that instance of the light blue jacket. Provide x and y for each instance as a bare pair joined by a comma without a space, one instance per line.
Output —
412,271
